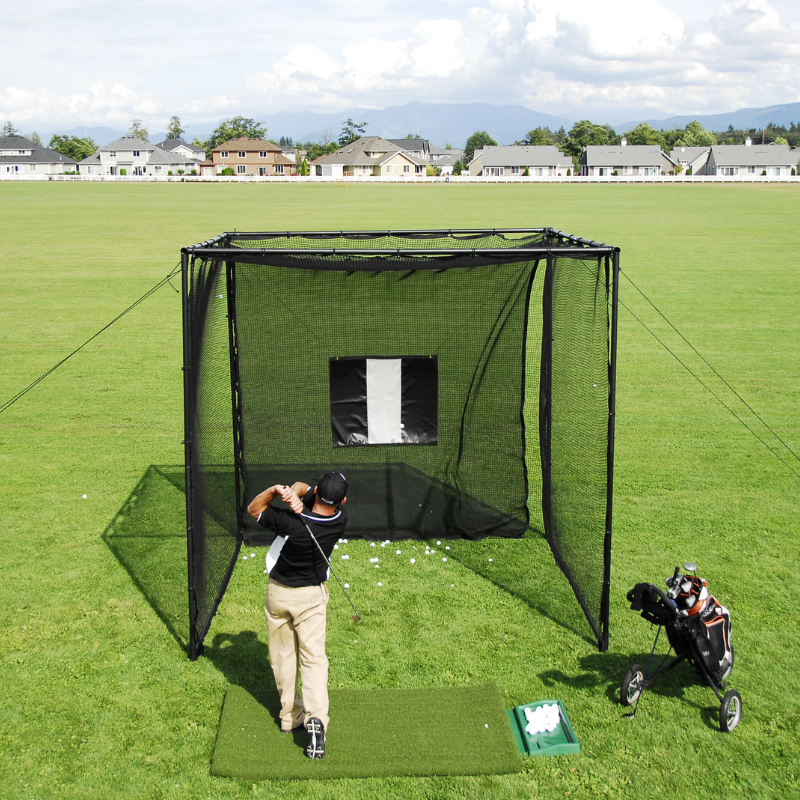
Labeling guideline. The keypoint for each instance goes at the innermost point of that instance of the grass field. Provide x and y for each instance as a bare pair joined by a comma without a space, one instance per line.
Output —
99,699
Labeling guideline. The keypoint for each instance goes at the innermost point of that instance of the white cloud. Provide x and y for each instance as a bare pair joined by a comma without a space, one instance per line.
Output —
562,56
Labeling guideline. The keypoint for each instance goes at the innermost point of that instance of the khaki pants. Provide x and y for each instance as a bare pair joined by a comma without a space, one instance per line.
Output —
296,631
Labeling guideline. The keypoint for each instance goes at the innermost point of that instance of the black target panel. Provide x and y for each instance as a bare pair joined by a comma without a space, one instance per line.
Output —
384,401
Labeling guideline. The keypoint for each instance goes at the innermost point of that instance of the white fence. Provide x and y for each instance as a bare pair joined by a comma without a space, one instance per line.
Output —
270,179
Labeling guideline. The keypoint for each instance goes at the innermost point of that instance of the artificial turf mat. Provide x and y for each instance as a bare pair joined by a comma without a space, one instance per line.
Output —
374,733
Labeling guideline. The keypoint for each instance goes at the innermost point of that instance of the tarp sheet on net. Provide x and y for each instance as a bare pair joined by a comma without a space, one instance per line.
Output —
461,383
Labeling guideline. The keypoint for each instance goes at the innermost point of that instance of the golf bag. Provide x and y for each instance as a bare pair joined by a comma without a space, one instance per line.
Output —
706,625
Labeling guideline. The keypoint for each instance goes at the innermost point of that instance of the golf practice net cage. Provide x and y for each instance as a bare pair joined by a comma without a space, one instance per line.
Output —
463,381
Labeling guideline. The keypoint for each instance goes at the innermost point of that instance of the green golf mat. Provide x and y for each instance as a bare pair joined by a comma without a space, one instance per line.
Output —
374,733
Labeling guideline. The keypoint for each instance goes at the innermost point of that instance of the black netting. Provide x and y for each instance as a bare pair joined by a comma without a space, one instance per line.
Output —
518,343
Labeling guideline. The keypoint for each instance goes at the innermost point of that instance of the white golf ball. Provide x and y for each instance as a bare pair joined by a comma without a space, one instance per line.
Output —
347,586
447,547
445,558
85,496
374,560
344,541
438,543
377,566
452,586
491,559
372,544
413,560
398,552
266,573
345,557
379,583
336,547
244,558
486,725
252,555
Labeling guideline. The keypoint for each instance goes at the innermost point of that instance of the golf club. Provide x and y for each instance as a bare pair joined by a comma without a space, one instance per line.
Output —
356,615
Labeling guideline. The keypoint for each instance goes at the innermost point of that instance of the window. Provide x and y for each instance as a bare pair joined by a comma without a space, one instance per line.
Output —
32,167
240,169
495,172
389,169
158,169
406,168
261,154
223,154
537,172
279,169
515,170
262,171
136,153
242,154
647,170
327,171
751,170
627,170
729,170
112,153
23,152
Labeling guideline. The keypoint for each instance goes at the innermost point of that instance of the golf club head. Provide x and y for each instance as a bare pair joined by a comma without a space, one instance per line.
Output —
356,618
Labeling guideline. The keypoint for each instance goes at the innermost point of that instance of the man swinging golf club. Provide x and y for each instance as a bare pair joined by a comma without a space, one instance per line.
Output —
297,597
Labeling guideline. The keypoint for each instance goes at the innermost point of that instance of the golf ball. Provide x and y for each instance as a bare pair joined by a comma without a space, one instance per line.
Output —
377,566
447,547
252,555
486,725
438,543
85,496
398,552
452,586
347,586
244,558
379,583
491,559
374,560
336,547
445,558
372,544
345,557
413,560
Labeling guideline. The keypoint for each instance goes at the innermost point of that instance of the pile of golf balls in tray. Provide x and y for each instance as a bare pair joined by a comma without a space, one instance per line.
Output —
542,719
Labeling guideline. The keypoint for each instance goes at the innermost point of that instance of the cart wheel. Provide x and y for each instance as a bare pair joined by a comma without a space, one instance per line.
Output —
632,685
730,712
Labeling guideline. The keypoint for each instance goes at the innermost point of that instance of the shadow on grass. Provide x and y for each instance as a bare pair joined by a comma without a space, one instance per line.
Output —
526,569
148,537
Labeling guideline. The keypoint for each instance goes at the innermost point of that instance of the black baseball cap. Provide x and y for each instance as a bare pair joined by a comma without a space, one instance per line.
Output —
332,488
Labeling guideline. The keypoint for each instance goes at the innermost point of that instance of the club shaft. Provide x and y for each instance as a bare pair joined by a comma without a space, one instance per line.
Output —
330,567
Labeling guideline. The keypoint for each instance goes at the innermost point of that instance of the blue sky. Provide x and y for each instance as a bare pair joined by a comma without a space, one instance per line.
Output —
64,64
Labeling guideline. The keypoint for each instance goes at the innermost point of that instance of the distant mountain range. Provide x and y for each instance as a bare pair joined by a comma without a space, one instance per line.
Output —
452,122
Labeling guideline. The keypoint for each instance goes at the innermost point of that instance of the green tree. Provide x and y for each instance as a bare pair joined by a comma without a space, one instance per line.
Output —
303,169
315,149
477,141
174,129
138,130
35,138
780,140
235,128
10,130
585,133
646,134
351,131
695,135
73,147
458,167
537,137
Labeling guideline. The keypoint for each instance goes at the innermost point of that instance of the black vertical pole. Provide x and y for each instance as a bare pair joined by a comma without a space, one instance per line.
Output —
612,403
188,397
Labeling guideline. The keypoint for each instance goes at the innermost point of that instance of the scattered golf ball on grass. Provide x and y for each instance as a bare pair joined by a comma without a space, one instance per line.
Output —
413,560
85,496
347,586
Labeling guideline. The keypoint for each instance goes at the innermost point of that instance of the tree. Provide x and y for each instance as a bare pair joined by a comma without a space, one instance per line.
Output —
138,130
458,167
286,141
235,128
303,169
10,130
695,135
72,146
315,150
646,134
174,129
780,140
351,131
585,133
537,137
35,138
477,141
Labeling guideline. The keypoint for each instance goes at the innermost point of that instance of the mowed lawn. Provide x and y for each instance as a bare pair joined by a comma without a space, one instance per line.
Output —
99,699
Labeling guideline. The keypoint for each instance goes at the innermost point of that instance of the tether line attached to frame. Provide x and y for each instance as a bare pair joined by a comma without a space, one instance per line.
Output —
704,385
52,369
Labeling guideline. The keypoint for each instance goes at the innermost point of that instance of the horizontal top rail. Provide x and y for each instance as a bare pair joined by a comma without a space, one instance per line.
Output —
239,253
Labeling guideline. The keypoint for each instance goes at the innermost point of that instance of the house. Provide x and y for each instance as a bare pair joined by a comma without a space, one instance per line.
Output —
184,149
773,160
445,159
692,159
625,159
514,160
20,156
247,156
130,155
420,149
368,156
